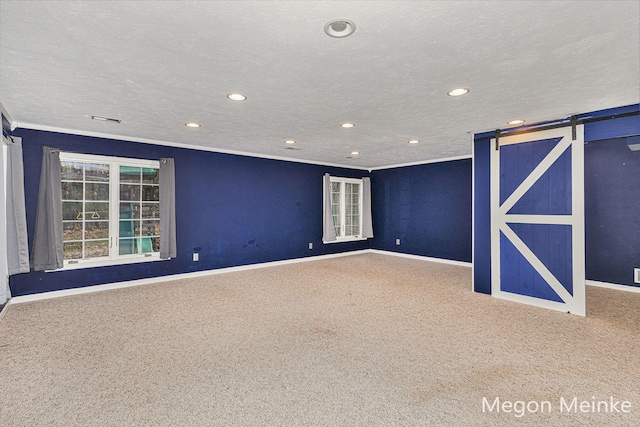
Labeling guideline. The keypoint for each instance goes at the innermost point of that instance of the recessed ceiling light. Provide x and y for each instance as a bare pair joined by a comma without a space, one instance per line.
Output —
105,119
236,97
355,153
458,92
289,141
339,28
192,125
347,125
516,122
414,141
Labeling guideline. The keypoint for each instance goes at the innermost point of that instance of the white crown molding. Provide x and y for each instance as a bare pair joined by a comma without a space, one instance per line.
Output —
33,126
423,162
8,116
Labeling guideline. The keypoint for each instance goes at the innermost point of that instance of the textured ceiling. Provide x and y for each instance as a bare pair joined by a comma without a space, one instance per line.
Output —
157,65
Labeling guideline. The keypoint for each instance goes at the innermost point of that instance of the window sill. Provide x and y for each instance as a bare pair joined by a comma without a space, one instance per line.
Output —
107,262
345,239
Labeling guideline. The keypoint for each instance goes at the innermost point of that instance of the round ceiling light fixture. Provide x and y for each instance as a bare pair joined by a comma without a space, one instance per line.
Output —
192,125
289,141
355,153
347,125
516,122
458,92
414,141
339,28
236,97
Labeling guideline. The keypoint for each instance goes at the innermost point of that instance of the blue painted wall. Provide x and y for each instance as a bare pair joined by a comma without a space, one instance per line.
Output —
482,216
612,211
427,207
233,210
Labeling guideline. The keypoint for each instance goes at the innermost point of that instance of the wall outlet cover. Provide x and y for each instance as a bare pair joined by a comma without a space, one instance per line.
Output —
636,275
397,242
310,245
196,256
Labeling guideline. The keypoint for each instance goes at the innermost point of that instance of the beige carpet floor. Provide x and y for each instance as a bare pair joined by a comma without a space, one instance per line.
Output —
363,340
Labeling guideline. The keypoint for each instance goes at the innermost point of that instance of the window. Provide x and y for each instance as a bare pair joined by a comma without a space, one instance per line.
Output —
346,207
110,210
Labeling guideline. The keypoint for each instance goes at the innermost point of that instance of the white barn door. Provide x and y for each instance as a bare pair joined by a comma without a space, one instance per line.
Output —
537,219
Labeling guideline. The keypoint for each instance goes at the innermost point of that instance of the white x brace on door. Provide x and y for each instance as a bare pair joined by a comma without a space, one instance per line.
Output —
537,219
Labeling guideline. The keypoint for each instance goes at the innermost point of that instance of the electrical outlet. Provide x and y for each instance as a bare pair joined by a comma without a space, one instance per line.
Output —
397,242
636,275
196,256
310,245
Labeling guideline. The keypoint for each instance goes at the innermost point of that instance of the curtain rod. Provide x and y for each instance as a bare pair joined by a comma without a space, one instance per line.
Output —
9,138
566,122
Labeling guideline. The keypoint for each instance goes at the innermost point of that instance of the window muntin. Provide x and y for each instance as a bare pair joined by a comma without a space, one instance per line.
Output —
139,225
85,209
346,207
111,209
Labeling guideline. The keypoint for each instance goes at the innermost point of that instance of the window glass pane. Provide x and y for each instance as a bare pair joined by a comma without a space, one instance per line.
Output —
129,228
150,193
146,245
72,250
96,191
150,176
96,248
150,210
72,191
129,210
96,172
96,210
151,228
72,230
96,230
129,246
129,174
71,210
129,192
71,171
155,244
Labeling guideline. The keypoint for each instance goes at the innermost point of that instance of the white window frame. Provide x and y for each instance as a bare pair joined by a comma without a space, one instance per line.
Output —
342,238
114,211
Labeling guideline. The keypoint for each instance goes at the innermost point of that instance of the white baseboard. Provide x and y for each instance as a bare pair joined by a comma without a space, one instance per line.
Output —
150,280
423,258
139,282
626,288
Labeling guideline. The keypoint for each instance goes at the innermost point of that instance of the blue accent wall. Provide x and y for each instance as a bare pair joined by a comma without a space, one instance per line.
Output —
427,207
482,216
612,211
233,210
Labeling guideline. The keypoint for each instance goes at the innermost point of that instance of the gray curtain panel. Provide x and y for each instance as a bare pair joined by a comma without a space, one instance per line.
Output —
17,244
47,248
328,228
167,209
367,223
